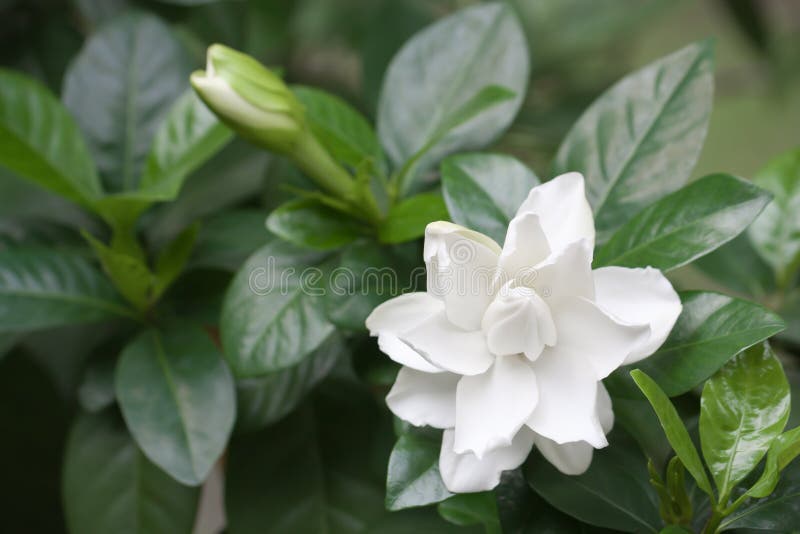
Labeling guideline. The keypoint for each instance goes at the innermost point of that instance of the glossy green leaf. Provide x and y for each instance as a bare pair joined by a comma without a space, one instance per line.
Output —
685,225
264,400
776,234
676,432
407,219
780,512
178,399
342,130
640,140
41,289
439,71
110,486
744,407
614,493
272,317
472,509
711,329
413,478
120,87
738,266
40,142
226,240
483,191
309,223
783,450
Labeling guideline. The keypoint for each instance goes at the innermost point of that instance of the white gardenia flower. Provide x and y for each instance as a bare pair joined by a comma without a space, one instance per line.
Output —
508,346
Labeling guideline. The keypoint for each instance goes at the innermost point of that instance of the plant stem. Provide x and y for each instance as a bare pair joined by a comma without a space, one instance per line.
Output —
713,522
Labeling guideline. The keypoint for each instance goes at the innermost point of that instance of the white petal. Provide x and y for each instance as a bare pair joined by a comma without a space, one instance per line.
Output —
639,296
564,212
566,273
590,334
571,458
493,406
465,473
566,410
605,411
461,266
525,246
518,321
423,398
448,347
398,315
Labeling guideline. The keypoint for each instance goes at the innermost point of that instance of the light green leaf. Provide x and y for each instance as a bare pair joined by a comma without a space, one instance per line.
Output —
42,289
438,72
744,407
673,426
413,478
640,140
40,142
96,391
309,223
110,486
483,191
407,219
711,329
685,225
229,238
172,260
178,399
782,451
776,233
120,87
272,317
130,274
472,509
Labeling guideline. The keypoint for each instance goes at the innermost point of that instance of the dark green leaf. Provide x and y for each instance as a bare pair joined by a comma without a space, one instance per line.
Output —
776,234
413,478
172,260
738,266
439,71
178,399
407,220
41,289
744,407
783,450
676,432
97,388
472,509
227,239
309,223
711,328
272,316
685,225
780,512
40,142
640,140
109,485
120,87
483,191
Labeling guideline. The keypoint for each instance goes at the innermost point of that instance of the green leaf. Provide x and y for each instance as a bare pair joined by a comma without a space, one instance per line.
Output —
109,485
676,432
40,142
685,225
780,512
264,400
738,266
96,391
42,289
342,130
472,509
431,85
272,317
178,399
483,191
407,219
172,260
309,223
744,407
130,274
413,478
776,233
613,493
640,140
226,240
120,87
781,453
711,329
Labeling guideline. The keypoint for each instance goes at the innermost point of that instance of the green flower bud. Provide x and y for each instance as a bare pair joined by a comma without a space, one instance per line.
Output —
250,99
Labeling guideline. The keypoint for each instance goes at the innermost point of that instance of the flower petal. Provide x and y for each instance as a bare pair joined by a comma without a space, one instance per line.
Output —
448,347
572,458
605,411
564,212
461,266
398,315
423,398
493,406
590,334
518,321
565,273
525,246
639,296
465,473
566,410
